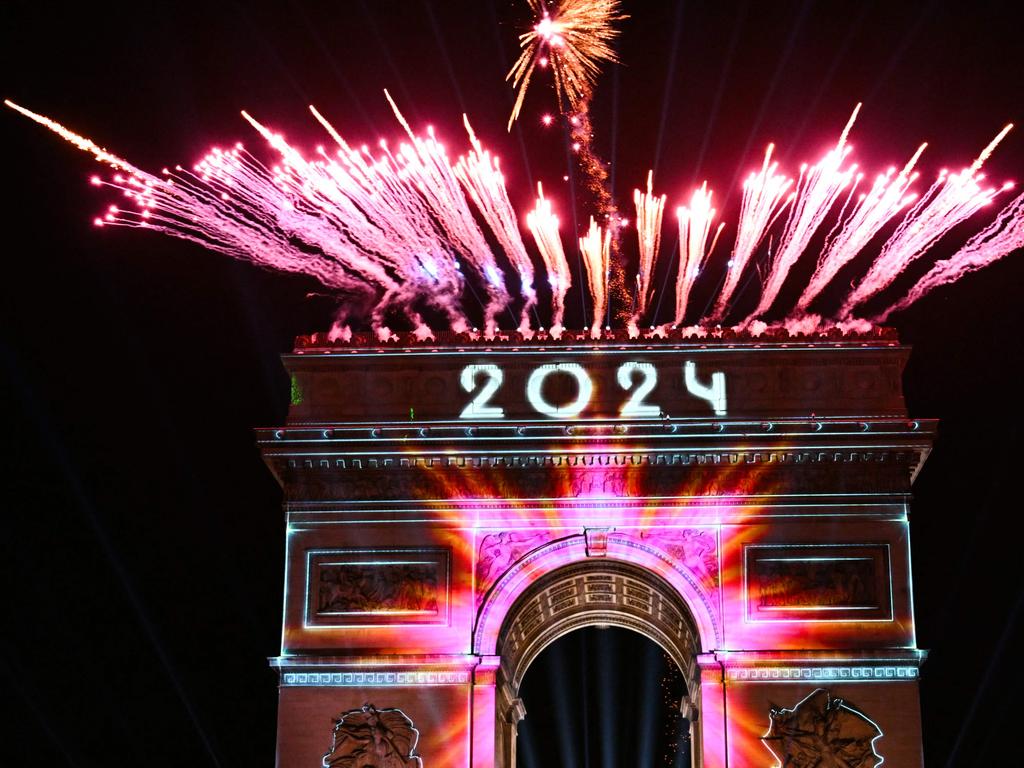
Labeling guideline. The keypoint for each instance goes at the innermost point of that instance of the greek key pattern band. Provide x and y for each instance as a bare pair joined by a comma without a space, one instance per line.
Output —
371,679
782,674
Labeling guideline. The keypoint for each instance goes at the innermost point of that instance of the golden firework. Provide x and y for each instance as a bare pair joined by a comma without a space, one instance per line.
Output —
573,39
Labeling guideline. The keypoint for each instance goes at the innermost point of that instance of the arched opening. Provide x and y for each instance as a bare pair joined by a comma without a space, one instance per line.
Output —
603,696
600,593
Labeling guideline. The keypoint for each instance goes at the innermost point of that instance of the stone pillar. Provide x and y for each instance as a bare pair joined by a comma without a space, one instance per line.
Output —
711,743
484,731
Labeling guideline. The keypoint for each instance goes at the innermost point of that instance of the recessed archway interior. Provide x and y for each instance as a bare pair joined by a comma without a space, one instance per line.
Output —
603,696
617,613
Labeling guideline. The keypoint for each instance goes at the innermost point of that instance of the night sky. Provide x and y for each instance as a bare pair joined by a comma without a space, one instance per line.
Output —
143,550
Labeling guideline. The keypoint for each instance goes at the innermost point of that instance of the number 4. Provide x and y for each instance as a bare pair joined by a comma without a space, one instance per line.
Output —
715,394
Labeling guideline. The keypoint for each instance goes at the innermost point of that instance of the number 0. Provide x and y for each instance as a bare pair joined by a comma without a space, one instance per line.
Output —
584,384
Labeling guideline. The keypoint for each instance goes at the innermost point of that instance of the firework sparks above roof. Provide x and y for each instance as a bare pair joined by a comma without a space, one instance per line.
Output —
405,234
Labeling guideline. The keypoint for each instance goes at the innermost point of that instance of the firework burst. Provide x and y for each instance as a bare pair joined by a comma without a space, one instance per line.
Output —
572,40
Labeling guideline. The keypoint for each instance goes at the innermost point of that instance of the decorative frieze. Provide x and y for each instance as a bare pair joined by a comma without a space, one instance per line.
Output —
373,679
814,674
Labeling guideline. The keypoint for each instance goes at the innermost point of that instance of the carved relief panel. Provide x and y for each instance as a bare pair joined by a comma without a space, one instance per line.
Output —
404,585
817,582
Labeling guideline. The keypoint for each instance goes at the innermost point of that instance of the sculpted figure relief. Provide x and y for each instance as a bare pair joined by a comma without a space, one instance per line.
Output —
822,732
694,549
498,551
373,738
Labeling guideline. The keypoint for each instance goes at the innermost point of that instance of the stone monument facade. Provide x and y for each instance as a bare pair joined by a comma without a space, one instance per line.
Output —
454,506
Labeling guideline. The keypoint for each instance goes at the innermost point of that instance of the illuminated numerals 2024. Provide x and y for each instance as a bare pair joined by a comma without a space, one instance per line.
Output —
638,379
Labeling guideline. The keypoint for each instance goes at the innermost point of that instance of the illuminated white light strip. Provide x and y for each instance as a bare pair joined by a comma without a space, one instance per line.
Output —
373,679
536,381
783,674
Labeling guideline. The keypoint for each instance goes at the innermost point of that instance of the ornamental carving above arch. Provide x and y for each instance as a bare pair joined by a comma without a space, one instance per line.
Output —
692,549
692,552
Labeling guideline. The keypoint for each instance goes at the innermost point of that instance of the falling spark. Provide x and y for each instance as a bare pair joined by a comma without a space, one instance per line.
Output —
482,179
543,223
596,247
764,200
888,197
694,228
816,191
998,239
573,41
951,199
649,212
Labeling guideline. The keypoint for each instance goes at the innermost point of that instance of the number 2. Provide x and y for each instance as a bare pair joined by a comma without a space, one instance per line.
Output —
636,406
478,407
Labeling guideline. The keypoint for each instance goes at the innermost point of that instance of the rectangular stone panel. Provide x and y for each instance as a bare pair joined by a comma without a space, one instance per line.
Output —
353,587
817,582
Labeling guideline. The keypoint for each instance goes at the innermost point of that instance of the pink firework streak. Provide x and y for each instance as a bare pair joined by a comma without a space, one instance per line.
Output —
595,247
694,229
816,192
481,177
876,208
764,200
951,200
1001,238
543,223
649,212
387,230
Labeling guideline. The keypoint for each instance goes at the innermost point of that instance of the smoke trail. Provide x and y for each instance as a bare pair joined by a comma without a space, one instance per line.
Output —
1000,238
951,200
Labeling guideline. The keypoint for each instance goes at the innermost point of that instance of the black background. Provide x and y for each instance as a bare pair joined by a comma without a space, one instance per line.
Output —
144,538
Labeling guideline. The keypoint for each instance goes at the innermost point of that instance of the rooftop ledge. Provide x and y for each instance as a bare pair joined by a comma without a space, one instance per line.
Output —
693,336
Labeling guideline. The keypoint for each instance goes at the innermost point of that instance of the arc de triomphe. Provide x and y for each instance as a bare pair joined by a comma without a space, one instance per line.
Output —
455,506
